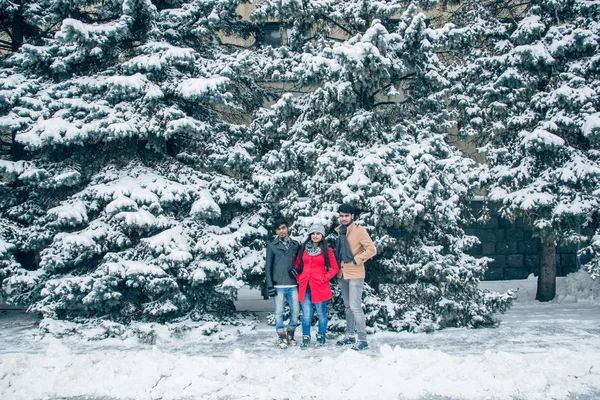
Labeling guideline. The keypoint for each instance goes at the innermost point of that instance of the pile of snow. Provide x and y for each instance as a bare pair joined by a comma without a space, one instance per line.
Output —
297,374
143,333
539,351
578,287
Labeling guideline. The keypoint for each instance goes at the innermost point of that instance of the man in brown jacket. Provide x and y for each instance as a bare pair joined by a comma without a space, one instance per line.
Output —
353,248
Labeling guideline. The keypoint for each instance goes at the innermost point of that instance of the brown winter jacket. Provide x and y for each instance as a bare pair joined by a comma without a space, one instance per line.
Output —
362,248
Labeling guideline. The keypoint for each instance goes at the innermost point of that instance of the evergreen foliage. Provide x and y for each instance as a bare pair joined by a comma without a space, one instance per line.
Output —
356,139
527,86
133,203
147,190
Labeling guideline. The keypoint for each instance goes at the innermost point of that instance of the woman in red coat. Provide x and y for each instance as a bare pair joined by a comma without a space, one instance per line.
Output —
315,266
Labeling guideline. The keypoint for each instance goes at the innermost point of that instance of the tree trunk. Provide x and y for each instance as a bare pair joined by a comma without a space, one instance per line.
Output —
546,283
18,29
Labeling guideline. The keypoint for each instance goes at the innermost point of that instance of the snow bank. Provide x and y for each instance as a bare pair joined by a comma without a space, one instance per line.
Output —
392,373
577,287
540,351
108,333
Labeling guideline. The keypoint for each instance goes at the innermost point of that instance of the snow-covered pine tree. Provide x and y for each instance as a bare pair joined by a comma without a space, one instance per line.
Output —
31,22
134,201
528,87
372,133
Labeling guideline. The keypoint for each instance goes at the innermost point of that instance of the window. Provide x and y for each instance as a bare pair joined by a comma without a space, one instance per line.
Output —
270,35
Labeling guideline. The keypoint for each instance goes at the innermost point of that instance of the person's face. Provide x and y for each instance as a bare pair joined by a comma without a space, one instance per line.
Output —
345,218
316,237
282,231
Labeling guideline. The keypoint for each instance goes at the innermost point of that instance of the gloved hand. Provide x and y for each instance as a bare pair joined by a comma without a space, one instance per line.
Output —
272,291
294,273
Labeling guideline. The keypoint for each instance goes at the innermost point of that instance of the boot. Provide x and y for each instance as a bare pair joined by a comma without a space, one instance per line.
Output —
282,342
290,336
320,341
305,342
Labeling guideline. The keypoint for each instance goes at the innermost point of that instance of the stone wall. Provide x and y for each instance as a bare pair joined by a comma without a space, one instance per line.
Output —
514,248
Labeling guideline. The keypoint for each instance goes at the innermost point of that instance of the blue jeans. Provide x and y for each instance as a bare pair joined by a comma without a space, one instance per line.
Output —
291,296
355,317
307,315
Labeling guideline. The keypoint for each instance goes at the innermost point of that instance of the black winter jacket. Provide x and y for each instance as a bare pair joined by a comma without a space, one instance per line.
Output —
280,261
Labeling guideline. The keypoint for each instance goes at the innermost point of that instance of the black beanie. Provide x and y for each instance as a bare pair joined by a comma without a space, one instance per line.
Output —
280,222
347,208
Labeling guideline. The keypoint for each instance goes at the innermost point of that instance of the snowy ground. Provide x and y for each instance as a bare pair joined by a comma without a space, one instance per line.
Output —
540,351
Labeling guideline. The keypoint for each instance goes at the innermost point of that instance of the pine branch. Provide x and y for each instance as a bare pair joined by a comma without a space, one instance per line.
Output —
7,30
453,14
407,76
235,46
375,93
517,5
335,39
348,32
388,103
51,28
503,5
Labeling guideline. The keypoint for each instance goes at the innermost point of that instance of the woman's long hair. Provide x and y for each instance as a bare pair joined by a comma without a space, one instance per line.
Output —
324,249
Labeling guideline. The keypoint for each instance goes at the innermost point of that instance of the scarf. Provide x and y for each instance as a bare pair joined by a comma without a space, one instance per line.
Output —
286,243
313,250
342,248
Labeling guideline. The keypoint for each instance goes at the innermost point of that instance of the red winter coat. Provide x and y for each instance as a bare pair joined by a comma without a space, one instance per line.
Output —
314,275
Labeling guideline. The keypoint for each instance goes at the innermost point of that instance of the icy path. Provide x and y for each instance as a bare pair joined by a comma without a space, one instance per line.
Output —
540,351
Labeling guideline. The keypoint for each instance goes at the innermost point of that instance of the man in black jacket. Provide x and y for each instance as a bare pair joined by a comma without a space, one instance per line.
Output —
281,284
